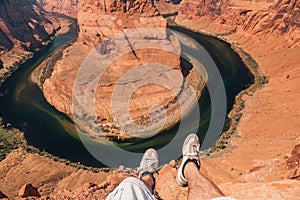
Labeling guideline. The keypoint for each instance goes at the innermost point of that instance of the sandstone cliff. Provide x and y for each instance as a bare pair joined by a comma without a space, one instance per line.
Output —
67,7
56,180
254,17
24,27
71,7
98,21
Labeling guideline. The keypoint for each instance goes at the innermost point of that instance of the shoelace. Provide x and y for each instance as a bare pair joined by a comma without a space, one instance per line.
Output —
194,149
150,163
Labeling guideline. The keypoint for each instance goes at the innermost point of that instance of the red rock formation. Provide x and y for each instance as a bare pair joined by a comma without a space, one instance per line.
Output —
24,26
167,6
195,9
23,21
99,20
68,7
255,17
29,191
206,12
293,163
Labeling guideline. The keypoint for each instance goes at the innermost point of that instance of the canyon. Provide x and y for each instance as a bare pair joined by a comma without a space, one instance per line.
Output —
111,22
24,28
261,158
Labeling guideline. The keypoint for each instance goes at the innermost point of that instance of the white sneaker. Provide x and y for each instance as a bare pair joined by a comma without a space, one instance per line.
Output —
190,152
149,165
149,162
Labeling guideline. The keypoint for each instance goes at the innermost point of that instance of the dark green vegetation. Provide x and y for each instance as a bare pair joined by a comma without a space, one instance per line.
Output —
236,113
9,139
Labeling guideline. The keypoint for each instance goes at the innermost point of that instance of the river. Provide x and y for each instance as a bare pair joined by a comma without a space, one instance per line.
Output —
25,107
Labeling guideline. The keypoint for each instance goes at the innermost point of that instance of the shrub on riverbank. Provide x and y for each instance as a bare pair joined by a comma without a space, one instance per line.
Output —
9,139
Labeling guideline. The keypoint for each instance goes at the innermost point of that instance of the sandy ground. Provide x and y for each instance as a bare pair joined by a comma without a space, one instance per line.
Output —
254,163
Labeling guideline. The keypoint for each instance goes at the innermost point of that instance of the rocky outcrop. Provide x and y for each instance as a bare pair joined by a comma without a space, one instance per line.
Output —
67,7
255,17
167,7
201,8
283,17
293,163
58,88
24,27
138,43
24,21
99,20
29,191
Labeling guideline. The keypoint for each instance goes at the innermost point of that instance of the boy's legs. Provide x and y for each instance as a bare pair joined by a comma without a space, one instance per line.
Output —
142,188
199,185
189,175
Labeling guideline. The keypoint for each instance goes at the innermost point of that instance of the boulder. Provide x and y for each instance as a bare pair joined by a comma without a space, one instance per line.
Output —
29,190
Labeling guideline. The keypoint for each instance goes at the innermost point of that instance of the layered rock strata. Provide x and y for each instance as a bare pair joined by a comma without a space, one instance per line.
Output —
254,17
67,7
100,20
131,35
24,28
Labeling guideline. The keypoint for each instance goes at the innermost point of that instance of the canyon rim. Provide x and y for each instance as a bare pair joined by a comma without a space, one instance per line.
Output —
260,159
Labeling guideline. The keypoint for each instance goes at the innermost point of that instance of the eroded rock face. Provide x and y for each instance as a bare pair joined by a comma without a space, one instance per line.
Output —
23,21
200,8
253,166
125,72
68,7
293,163
167,7
255,17
100,20
24,26
29,191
